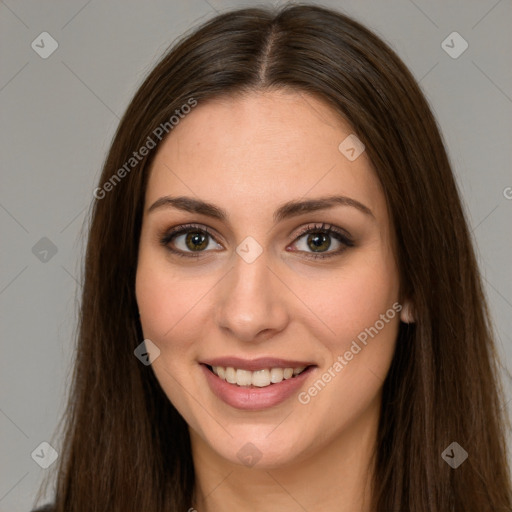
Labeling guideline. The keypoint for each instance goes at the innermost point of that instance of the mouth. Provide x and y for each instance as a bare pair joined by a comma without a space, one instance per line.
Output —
261,378
257,384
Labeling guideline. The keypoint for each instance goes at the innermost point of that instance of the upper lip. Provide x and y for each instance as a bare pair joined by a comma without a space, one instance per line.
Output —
255,364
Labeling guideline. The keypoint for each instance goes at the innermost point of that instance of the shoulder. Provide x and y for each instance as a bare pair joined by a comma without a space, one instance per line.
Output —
46,508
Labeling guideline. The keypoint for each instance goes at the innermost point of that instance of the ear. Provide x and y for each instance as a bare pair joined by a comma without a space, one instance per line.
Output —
406,314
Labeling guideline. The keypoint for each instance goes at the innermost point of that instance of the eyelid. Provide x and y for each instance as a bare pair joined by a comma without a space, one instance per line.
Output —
182,229
322,226
339,233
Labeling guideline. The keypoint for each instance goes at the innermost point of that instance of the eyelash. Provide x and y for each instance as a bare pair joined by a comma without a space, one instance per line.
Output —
323,228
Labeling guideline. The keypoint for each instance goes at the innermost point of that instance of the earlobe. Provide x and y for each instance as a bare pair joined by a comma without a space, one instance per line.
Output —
406,315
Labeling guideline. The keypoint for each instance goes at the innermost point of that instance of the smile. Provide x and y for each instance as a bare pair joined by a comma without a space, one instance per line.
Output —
259,378
256,384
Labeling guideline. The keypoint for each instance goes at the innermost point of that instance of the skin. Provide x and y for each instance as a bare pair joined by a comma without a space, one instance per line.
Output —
249,155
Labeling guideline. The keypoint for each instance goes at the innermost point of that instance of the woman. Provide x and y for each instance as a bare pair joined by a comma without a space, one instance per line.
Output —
281,305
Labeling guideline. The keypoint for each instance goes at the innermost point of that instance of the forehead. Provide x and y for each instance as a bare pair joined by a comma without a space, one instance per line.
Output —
261,149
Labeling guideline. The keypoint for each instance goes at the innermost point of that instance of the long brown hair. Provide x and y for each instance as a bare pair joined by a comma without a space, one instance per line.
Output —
125,447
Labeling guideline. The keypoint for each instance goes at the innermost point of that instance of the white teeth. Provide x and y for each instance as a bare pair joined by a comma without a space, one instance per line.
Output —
259,378
276,375
231,375
243,377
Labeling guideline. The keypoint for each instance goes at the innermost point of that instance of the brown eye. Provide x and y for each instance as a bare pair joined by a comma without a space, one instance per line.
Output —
196,241
318,242
187,240
318,239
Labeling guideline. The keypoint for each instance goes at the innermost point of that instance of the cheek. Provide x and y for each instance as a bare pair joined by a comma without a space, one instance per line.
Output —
168,307
170,304
361,310
154,303
355,300
157,293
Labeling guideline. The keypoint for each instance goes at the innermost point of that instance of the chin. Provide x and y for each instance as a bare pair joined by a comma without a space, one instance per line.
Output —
263,450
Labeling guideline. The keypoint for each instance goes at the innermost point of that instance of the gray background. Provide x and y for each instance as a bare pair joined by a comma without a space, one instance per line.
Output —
58,116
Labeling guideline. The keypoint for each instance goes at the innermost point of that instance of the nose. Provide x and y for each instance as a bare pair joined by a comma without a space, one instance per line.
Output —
251,301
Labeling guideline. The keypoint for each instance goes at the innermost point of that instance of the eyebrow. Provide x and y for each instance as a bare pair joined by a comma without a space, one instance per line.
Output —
287,210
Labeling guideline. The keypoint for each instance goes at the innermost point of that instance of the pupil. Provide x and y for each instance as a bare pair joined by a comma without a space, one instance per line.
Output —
319,240
195,238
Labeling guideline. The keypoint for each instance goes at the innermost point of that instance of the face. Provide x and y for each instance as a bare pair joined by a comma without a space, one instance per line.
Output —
240,283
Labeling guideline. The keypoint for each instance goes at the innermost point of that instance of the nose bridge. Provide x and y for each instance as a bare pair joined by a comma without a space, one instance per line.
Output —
249,302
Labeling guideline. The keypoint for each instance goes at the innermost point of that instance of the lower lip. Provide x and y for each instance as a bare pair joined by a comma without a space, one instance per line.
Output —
254,398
